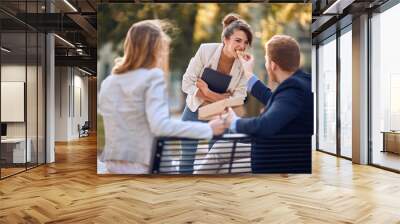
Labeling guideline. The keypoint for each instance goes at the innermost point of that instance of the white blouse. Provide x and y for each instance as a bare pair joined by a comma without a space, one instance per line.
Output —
208,56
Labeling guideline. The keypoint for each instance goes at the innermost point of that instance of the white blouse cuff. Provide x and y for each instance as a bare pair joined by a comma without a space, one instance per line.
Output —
193,102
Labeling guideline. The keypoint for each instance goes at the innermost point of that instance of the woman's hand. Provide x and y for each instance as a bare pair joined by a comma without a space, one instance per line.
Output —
208,95
203,86
201,95
212,97
203,90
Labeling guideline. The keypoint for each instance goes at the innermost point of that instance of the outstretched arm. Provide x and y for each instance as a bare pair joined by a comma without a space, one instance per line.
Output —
157,113
259,90
282,111
254,86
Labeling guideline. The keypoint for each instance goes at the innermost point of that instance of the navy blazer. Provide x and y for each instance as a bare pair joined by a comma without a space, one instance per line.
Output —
288,110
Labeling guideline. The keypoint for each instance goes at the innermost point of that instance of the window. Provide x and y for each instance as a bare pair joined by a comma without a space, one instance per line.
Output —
385,88
346,93
327,96
22,75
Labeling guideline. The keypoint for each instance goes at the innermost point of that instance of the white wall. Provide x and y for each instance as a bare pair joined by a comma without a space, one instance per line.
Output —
62,81
71,94
12,73
33,126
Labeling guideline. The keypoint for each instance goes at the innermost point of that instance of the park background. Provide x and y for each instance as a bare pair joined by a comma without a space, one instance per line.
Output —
192,25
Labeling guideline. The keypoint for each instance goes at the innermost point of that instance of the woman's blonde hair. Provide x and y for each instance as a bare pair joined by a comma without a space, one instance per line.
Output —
146,46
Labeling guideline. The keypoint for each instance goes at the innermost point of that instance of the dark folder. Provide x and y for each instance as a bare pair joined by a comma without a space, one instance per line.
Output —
216,81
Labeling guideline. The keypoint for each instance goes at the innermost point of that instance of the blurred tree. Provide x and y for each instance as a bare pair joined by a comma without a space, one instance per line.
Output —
279,17
116,19
196,23
287,18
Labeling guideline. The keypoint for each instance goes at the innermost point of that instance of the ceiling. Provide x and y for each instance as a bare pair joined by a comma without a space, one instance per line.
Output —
331,15
74,22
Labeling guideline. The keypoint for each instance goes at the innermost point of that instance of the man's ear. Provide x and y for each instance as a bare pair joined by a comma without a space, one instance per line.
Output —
273,65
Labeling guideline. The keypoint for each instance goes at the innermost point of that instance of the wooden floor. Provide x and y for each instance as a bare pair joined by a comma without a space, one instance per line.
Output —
70,191
387,159
5,172
10,171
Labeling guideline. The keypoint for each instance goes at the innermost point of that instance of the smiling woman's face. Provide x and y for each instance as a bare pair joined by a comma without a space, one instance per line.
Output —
236,42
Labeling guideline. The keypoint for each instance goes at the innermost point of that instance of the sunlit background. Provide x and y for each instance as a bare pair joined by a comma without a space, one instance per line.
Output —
194,24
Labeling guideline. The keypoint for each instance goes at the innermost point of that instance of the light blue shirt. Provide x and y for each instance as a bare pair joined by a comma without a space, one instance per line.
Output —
250,85
251,82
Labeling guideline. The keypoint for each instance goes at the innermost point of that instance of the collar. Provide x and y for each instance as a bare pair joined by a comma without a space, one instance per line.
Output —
214,59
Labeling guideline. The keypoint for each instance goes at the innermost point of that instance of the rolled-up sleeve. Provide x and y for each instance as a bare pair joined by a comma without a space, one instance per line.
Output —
189,79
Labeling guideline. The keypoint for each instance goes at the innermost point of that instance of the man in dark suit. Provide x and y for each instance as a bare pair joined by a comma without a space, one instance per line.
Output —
288,108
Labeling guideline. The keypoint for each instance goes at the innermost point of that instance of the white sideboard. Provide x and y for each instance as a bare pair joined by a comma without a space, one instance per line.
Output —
18,145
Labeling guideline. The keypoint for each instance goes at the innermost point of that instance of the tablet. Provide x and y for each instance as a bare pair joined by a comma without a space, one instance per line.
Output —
216,81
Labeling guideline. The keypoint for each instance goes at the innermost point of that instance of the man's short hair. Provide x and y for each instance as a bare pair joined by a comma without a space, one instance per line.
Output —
284,51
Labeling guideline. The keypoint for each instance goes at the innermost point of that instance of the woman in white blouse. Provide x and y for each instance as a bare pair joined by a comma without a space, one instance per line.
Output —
236,37
133,103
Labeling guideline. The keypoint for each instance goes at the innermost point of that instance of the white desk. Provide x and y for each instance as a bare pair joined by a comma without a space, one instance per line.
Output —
19,149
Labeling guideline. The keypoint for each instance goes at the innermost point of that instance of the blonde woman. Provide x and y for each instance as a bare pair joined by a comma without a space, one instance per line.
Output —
133,103
236,37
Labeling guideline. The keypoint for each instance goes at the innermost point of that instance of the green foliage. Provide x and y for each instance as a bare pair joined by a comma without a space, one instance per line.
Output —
196,23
